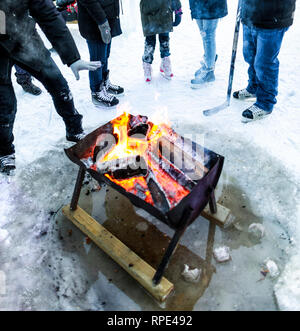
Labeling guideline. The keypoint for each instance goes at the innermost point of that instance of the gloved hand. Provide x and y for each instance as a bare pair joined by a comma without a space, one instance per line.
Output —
84,65
105,32
178,14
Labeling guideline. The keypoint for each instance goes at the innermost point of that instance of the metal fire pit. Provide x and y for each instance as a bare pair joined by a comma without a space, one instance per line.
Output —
199,181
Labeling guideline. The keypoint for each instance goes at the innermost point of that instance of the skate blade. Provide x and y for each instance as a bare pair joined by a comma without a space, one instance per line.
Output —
106,107
200,86
8,175
246,120
165,76
117,95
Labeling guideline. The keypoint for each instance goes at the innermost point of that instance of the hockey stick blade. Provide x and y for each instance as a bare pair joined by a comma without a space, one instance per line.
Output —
215,110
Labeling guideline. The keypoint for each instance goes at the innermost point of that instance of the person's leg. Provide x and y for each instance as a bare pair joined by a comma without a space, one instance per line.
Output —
8,106
150,43
164,41
165,67
148,56
98,52
267,66
208,33
52,79
249,53
111,88
105,70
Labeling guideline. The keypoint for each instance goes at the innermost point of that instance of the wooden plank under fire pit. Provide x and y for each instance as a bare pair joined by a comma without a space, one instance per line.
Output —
124,256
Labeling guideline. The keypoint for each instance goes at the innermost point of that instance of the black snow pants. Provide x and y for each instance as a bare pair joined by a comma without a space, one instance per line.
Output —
51,77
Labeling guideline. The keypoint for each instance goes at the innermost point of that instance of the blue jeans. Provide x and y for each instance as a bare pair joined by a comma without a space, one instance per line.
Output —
99,51
261,48
208,32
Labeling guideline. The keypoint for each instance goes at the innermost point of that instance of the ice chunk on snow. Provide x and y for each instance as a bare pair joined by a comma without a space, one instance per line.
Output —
272,268
287,289
3,235
257,230
191,275
222,254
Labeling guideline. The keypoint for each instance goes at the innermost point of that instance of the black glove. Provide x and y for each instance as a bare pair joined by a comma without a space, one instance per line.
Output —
105,32
178,14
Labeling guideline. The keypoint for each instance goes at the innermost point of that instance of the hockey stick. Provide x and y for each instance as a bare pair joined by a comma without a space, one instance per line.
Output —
215,110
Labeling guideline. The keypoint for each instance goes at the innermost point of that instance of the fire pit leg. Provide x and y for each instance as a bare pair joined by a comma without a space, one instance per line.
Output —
172,246
77,189
213,203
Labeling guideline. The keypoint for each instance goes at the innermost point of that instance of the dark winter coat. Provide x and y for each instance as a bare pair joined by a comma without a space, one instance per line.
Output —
208,9
92,13
23,43
157,15
268,14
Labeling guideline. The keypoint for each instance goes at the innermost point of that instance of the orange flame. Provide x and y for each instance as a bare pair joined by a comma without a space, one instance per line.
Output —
130,146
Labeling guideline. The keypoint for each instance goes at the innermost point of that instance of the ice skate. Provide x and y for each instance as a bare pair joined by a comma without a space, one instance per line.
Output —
75,137
203,78
254,113
165,68
147,72
8,164
103,99
111,88
244,95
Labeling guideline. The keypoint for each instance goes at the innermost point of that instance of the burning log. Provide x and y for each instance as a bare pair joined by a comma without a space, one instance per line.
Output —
158,195
124,168
181,159
138,125
175,173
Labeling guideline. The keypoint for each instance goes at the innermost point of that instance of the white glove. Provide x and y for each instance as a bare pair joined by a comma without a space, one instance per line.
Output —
84,65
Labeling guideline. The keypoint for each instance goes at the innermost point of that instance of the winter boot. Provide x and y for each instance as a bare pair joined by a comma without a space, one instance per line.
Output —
254,113
244,95
165,68
103,99
110,88
8,164
147,71
25,81
204,77
31,88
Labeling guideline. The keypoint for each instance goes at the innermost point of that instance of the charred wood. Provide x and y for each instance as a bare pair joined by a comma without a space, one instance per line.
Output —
182,160
179,176
138,125
157,193
124,168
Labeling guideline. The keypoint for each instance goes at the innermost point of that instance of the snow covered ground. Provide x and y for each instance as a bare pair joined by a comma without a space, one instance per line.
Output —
44,265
